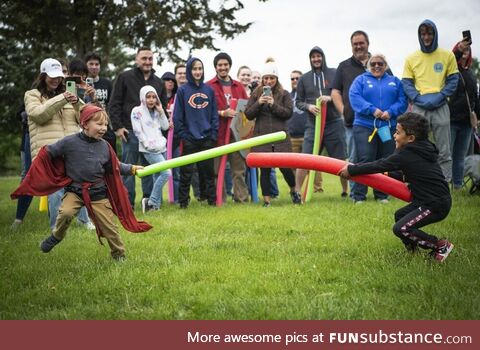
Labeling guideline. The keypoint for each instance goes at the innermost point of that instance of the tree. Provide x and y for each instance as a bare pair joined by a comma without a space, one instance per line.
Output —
31,30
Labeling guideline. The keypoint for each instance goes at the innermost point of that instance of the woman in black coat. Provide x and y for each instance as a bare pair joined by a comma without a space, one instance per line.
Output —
462,104
271,106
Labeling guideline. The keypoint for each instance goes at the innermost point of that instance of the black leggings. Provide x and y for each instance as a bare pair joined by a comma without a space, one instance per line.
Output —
410,218
265,184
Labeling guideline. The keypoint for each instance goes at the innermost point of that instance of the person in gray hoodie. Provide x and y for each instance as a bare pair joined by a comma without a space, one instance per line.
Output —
312,85
430,76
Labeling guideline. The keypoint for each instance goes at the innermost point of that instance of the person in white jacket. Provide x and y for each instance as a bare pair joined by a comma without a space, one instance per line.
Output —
148,121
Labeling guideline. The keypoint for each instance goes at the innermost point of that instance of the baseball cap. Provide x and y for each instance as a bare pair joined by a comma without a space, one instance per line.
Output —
52,67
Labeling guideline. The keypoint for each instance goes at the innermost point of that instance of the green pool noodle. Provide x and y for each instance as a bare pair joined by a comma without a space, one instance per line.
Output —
211,153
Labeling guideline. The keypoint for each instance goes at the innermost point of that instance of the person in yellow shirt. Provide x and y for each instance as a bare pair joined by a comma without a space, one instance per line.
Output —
430,76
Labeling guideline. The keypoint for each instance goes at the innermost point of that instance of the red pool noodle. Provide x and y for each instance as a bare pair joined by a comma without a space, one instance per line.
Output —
329,165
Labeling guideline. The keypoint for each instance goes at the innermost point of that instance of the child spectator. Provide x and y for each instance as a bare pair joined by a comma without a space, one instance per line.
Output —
148,121
89,170
196,125
417,158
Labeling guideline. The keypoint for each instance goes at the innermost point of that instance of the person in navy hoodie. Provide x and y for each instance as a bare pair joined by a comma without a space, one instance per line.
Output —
196,125
377,99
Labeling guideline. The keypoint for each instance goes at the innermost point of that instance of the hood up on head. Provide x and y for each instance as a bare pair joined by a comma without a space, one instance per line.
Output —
434,44
190,78
320,51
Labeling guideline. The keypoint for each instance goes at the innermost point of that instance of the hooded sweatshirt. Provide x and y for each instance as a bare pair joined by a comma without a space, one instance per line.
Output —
148,125
430,75
419,163
314,84
195,114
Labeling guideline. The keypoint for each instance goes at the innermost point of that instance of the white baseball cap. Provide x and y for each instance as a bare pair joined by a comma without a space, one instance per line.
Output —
52,67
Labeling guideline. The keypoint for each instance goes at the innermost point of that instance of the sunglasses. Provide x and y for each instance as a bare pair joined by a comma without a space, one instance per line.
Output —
380,64
293,79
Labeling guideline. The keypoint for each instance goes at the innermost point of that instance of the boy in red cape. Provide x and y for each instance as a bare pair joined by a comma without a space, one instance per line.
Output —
89,170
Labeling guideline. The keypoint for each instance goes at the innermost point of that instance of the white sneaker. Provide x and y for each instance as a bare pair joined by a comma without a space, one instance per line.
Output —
89,225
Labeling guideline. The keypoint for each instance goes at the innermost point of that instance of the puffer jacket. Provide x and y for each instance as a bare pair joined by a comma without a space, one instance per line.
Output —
49,119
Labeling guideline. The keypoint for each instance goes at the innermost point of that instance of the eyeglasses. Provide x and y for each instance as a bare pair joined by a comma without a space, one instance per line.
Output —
295,78
380,64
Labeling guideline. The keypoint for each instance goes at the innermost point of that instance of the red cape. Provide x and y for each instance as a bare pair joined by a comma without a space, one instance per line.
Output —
47,175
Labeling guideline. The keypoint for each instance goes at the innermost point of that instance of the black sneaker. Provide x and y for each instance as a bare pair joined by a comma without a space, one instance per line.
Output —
296,197
266,204
344,195
49,243
444,248
411,247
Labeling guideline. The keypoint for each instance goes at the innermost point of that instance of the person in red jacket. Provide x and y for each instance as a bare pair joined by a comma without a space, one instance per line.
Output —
225,89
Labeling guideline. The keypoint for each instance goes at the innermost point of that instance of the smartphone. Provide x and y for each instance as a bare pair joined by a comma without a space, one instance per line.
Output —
71,87
467,36
267,91
89,81
77,80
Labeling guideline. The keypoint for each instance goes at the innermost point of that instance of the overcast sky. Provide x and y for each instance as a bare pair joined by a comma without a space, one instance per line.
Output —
287,30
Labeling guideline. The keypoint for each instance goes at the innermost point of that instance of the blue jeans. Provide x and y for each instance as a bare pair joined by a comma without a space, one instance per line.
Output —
352,154
461,134
273,183
369,152
131,155
54,202
159,179
24,201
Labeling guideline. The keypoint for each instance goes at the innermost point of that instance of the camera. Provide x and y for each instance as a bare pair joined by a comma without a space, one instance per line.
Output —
89,81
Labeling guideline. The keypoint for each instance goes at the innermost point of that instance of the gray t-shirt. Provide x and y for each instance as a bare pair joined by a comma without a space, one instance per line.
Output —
86,159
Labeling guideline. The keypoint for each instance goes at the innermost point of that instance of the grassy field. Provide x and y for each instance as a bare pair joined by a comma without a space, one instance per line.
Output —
325,260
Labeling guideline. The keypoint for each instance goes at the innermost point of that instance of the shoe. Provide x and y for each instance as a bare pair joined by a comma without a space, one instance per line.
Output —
359,202
16,224
89,226
296,197
48,244
183,205
318,190
411,247
344,195
119,258
147,207
383,201
444,248
266,204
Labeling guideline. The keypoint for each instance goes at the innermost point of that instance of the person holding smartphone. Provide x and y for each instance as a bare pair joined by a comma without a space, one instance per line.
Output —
464,107
53,113
271,106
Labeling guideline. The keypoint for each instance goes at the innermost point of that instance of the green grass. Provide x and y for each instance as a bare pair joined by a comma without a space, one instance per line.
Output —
325,260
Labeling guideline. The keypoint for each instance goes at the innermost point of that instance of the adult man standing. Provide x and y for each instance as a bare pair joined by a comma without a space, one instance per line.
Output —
103,91
296,126
347,71
125,96
312,85
225,89
430,75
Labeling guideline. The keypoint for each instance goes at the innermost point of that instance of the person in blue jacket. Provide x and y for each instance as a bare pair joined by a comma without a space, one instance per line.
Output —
195,118
377,99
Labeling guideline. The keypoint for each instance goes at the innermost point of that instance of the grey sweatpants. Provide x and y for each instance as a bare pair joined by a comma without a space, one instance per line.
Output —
439,120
